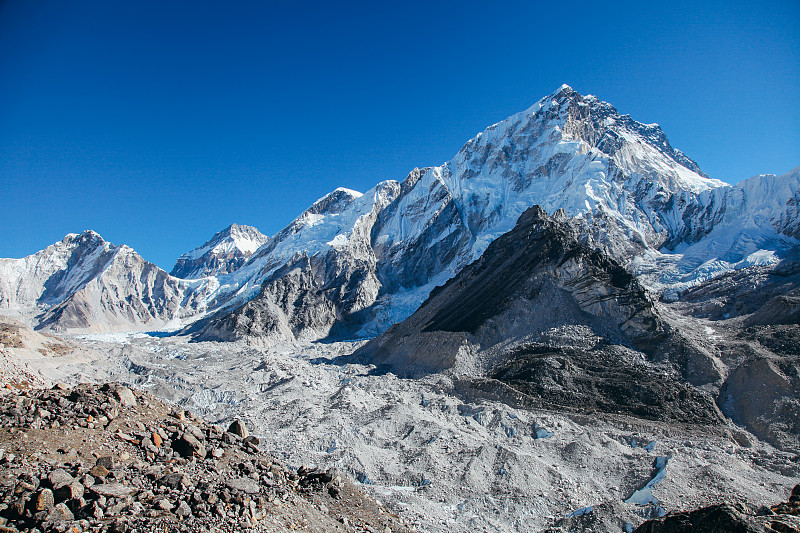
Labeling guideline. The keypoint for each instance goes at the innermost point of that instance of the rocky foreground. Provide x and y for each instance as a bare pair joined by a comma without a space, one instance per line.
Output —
106,458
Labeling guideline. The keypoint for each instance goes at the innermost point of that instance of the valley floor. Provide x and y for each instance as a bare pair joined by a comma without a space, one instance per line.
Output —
447,454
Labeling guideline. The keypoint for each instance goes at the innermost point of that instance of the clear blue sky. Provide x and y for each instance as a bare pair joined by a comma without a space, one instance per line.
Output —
158,123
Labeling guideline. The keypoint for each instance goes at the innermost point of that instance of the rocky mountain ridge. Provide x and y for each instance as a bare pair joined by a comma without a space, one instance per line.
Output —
619,179
84,283
562,323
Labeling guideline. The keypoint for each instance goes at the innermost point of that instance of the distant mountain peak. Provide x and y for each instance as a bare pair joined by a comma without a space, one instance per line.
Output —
225,252
83,237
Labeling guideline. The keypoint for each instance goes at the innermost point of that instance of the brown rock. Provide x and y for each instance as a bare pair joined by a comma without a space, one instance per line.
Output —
237,427
44,500
73,491
98,471
157,440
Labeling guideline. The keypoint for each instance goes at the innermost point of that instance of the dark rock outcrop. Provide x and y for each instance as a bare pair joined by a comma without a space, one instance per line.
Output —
556,320
731,518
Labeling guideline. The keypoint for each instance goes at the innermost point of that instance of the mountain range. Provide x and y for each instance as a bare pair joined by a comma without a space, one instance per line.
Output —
353,264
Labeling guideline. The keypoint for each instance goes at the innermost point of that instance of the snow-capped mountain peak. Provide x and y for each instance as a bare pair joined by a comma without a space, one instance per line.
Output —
227,250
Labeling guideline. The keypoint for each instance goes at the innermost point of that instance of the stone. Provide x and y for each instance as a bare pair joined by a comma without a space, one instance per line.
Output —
125,396
98,471
112,490
157,440
183,510
244,484
44,500
195,432
61,512
59,477
107,461
237,427
73,491
331,475
188,446
163,504
172,480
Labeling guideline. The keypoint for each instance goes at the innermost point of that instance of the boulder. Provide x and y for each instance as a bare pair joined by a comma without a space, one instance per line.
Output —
187,446
237,427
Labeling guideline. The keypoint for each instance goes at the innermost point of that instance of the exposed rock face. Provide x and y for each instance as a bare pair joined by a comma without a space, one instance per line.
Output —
748,319
310,297
558,321
227,250
530,280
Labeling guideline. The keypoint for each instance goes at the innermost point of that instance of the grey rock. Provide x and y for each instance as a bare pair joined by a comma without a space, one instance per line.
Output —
183,510
173,480
125,396
60,512
59,477
112,490
163,504
246,485
106,462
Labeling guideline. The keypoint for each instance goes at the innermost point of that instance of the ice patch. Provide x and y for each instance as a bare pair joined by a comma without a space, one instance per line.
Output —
541,433
644,496
580,512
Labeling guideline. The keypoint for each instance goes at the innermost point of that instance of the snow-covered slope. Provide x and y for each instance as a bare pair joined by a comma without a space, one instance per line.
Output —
84,283
757,222
47,277
225,252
